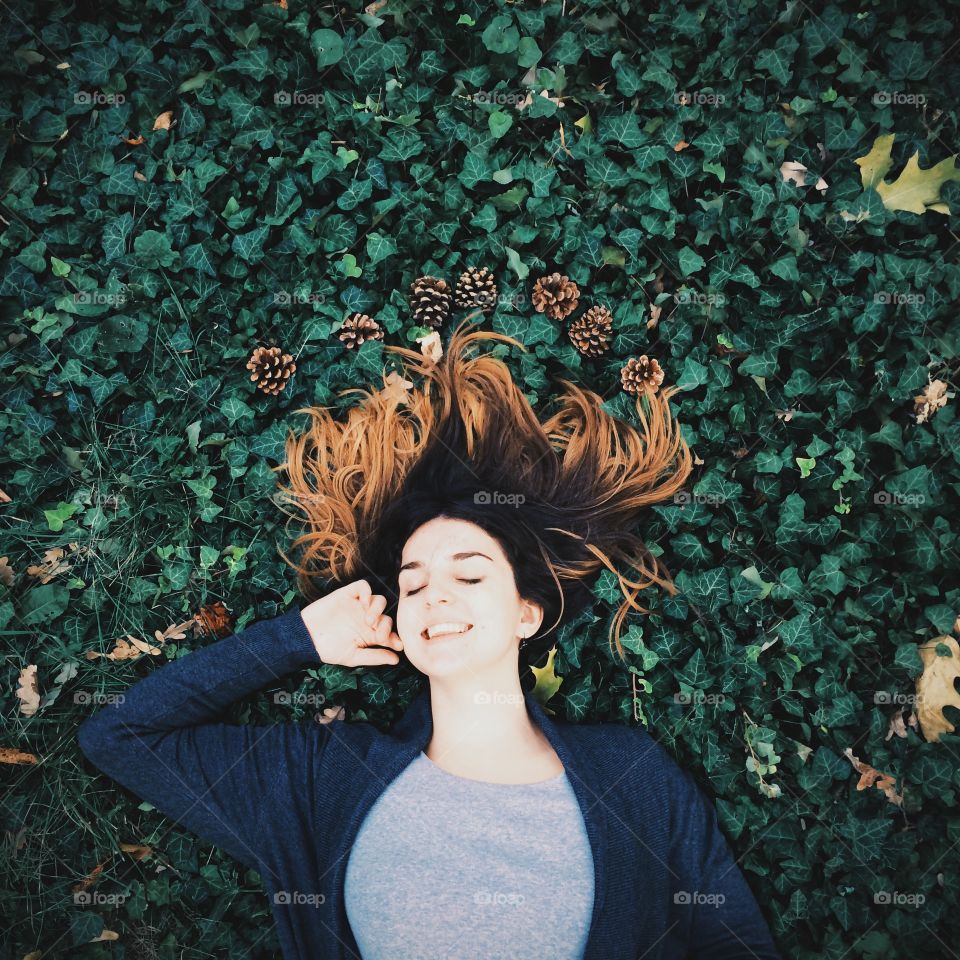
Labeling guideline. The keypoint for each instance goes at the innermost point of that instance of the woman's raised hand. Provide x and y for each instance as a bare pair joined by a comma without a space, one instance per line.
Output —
348,627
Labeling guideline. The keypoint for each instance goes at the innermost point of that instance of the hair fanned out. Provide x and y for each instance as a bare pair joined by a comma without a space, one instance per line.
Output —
468,445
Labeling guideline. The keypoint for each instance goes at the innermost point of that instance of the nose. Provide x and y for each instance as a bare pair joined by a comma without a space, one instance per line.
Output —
433,595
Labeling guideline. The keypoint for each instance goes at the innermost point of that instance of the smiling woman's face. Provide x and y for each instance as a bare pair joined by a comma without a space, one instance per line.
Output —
439,582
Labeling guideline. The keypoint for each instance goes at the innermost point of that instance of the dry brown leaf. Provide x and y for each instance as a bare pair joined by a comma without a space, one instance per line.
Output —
935,687
124,650
137,175
430,346
53,564
90,879
12,755
680,145
163,121
896,726
932,399
396,388
213,618
28,691
138,851
869,777
105,934
329,714
523,104
136,142
797,172
374,8
6,572
654,318
4,497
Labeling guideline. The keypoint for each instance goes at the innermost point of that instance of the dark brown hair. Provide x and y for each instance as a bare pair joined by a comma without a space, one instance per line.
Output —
469,446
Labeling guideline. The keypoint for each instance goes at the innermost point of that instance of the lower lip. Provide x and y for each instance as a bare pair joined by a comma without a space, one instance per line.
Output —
448,636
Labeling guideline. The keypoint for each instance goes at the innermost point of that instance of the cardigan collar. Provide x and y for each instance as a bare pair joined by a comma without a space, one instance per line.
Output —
412,732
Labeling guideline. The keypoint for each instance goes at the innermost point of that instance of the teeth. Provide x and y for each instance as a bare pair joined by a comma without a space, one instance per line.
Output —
439,628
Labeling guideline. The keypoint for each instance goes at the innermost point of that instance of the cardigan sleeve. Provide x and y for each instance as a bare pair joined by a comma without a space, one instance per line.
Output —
711,898
160,739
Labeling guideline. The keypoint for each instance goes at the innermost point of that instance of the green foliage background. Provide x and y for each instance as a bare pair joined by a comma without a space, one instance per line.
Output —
316,163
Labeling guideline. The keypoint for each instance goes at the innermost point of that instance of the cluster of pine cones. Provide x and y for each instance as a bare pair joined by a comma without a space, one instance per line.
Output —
431,301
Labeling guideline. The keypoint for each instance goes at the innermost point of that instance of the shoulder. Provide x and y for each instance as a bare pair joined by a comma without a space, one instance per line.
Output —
643,765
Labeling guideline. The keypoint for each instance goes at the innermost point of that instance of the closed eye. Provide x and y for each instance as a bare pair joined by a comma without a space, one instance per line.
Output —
410,593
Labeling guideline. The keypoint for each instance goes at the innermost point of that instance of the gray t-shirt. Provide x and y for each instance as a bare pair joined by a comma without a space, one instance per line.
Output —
448,868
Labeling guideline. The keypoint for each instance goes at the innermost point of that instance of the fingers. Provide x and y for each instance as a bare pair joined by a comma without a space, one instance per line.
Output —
375,657
375,607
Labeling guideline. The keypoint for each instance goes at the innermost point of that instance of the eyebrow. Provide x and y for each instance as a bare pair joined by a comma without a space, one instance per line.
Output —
416,564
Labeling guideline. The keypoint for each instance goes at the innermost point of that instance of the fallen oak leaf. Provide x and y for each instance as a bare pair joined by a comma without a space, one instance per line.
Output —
870,777
163,121
934,397
28,691
935,688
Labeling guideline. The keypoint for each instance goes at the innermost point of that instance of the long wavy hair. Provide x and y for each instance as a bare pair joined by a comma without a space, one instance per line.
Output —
469,446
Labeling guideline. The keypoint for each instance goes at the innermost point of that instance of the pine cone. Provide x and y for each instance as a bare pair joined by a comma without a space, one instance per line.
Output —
556,296
430,301
476,288
357,329
591,333
271,369
641,376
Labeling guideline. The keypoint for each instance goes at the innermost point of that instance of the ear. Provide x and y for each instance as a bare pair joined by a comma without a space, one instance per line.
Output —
531,616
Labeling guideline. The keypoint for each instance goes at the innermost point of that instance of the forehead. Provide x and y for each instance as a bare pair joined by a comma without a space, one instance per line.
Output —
446,538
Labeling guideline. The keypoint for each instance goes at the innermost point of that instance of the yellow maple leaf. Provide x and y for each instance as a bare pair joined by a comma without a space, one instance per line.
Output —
548,683
914,190
935,687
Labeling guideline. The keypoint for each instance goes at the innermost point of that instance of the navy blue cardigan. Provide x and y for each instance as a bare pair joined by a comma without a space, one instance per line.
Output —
288,799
